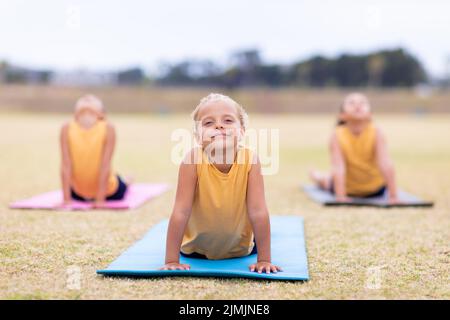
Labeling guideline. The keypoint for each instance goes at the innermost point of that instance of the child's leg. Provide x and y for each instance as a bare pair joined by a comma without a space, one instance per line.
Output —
194,255
322,180
201,256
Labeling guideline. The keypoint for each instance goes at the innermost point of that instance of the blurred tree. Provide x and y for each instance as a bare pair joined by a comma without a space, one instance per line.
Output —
176,74
375,67
248,62
447,73
3,66
133,76
191,72
322,71
351,71
386,68
270,75
401,69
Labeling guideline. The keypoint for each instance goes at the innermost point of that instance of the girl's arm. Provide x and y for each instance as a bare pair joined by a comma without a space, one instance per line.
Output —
337,169
66,166
259,219
105,167
187,181
385,165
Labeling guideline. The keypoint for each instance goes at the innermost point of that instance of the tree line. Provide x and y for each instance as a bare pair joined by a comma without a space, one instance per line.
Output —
246,68
385,68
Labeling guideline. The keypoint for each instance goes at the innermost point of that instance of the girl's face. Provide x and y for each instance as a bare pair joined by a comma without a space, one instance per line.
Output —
356,107
87,117
219,126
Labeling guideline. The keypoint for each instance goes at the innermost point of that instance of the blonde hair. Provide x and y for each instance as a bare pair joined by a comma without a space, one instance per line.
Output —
341,122
217,97
89,101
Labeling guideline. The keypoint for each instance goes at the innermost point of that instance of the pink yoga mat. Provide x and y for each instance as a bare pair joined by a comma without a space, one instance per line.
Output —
136,195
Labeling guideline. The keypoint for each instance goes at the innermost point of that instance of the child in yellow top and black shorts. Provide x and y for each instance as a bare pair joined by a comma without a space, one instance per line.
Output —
87,146
361,166
220,210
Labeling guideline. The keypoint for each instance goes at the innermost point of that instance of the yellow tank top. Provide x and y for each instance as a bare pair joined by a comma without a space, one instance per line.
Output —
86,151
219,226
363,176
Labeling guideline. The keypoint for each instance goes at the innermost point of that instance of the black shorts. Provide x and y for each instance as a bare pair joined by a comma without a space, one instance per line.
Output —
377,193
201,256
118,195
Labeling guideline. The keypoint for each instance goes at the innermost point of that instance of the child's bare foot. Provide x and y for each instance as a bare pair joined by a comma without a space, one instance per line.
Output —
342,199
65,204
394,201
99,204
321,179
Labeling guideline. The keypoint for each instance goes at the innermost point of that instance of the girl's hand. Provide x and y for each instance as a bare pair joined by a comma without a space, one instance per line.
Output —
264,266
175,266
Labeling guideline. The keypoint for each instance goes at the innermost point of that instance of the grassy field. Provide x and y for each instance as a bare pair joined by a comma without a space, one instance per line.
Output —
409,247
166,100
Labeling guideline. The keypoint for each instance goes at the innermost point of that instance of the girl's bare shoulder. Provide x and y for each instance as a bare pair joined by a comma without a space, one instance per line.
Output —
378,131
193,156
65,127
109,125
188,166
253,155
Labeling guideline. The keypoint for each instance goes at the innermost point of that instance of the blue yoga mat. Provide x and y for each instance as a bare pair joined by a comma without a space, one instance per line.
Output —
328,199
145,257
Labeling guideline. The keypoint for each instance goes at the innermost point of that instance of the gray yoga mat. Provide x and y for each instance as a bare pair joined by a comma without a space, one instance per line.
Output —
328,199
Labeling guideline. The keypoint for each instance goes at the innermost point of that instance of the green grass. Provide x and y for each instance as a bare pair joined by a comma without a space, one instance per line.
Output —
410,246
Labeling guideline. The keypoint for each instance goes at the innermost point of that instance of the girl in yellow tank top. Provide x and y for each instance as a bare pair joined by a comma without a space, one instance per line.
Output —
87,145
220,210
361,166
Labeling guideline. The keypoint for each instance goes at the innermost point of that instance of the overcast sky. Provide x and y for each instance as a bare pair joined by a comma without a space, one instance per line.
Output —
111,34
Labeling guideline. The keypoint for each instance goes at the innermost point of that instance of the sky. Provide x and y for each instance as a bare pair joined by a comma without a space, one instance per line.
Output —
115,34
